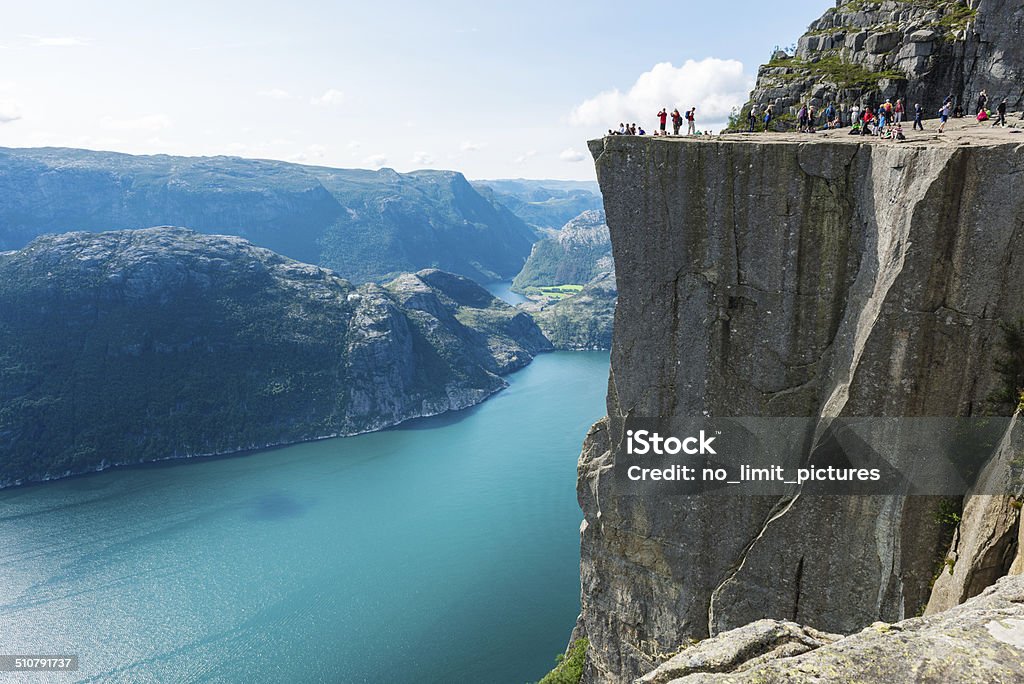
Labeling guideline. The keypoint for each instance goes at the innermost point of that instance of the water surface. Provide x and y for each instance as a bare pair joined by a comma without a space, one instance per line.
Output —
443,551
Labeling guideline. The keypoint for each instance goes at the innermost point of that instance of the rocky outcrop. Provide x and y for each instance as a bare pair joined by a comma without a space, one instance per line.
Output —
986,543
364,225
575,255
583,321
785,279
919,50
132,346
979,642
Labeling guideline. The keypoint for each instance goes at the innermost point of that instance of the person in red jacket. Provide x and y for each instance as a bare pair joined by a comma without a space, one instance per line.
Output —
662,118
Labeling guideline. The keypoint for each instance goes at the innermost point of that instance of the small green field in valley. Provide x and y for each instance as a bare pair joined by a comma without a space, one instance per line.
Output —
553,292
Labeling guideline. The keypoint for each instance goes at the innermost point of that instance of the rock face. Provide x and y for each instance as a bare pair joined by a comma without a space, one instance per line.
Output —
979,642
583,321
365,225
919,50
785,279
579,252
131,346
986,544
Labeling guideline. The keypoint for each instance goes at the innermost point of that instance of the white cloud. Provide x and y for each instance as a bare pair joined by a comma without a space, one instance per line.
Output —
354,145
9,111
571,155
276,94
330,97
422,159
470,146
58,41
713,86
530,154
149,122
376,161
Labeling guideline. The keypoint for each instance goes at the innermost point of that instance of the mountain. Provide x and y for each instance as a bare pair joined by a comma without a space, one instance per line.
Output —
574,255
584,320
131,346
365,225
543,204
919,50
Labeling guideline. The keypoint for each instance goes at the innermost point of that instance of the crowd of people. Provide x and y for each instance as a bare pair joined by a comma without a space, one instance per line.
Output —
689,116
884,120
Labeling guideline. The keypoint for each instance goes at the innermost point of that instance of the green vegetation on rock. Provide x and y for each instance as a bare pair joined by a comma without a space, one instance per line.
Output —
569,667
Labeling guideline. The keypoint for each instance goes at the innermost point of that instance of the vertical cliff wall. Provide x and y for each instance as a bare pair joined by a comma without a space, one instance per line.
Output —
780,278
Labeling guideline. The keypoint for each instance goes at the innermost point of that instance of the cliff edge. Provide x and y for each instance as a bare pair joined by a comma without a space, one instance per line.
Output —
781,277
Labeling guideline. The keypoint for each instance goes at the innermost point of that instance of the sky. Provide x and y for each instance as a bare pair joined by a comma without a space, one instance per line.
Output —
495,90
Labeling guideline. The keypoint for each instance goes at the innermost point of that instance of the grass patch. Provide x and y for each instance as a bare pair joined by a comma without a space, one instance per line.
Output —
569,667
833,69
553,292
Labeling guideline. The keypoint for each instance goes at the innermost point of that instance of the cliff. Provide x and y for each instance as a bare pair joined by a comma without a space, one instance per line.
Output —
130,346
784,278
919,50
365,225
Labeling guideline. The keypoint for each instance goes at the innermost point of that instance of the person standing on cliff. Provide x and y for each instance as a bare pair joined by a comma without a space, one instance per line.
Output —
982,101
767,117
662,118
899,111
918,116
691,121
752,119
1000,114
944,117
677,121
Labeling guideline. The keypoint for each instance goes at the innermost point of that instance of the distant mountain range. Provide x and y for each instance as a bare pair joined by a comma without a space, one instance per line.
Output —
130,346
365,225
578,252
544,204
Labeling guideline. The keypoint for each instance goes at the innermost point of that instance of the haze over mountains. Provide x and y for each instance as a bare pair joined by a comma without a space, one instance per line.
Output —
365,225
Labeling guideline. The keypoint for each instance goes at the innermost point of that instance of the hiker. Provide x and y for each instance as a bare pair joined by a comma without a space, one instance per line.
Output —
752,119
1000,114
802,119
622,129
899,111
812,118
982,101
898,132
883,116
662,118
677,121
868,121
918,116
767,117
855,115
944,117
830,114
982,116
691,121
958,111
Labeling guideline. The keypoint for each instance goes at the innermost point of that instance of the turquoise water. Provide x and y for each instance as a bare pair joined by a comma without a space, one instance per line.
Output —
444,551
503,291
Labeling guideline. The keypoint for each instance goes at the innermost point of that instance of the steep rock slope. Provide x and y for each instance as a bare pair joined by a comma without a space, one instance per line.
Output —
980,642
583,321
918,50
366,225
786,279
576,254
130,346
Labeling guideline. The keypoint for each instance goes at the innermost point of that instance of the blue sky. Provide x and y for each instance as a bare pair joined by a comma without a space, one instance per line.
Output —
491,89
